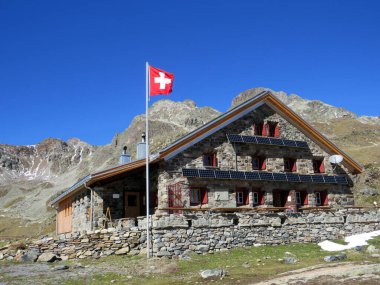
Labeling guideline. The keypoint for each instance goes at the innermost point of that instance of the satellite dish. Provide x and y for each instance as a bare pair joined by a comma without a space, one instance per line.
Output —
336,159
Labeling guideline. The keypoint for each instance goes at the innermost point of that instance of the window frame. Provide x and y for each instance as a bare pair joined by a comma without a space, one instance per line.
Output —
318,198
298,198
211,158
258,129
292,164
202,196
242,193
261,163
318,166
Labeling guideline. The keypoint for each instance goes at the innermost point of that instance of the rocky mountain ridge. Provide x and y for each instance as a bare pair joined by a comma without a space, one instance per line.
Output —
31,175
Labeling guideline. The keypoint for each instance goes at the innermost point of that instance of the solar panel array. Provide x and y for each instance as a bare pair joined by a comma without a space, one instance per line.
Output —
266,140
263,176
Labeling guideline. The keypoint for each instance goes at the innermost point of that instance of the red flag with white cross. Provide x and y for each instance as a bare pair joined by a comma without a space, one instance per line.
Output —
161,81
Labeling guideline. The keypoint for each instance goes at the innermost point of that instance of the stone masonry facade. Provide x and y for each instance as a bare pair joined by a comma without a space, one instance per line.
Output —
170,171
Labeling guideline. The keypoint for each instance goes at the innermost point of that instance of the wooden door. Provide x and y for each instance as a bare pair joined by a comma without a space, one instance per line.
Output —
277,199
131,204
65,216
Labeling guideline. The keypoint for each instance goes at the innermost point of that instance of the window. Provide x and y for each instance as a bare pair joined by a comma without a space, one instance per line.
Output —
258,129
290,165
210,160
257,197
258,163
298,198
273,130
318,166
317,198
321,198
198,196
242,197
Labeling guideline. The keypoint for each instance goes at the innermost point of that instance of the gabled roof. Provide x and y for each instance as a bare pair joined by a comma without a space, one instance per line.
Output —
265,97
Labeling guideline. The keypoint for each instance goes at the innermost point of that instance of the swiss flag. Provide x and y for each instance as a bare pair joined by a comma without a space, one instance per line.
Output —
161,82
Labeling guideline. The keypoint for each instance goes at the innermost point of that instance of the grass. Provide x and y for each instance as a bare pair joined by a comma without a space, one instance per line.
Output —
260,264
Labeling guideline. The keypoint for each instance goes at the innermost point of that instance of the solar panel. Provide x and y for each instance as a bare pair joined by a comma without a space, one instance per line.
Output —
279,177
318,178
237,175
222,174
305,178
341,180
292,177
249,139
263,140
266,176
302,144
289,143
276,141
206,173
234,138
187,172
329,179
252,176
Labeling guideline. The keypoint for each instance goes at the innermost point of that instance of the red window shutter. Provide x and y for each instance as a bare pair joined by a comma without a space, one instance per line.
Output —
276,131
325,199
214,160
246,198
322,167
294,165
261,198
306,199
204,193
264,132
254,129
263,163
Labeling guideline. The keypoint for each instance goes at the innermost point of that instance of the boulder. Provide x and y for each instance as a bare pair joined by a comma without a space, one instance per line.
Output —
1,256
211,273
60,267
47,257
123,250
28,256
337,257
289,260
372,249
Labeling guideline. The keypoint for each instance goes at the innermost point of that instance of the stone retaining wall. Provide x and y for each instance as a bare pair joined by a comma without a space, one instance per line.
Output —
176,235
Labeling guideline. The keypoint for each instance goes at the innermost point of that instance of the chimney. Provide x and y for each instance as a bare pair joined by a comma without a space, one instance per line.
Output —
141,150
125,156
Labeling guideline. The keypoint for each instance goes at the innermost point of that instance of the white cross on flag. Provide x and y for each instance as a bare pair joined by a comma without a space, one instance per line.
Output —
161,82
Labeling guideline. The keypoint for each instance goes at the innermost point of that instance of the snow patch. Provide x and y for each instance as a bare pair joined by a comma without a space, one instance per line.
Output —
352,242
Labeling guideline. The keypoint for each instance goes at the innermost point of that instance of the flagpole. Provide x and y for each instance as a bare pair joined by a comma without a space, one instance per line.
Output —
147,161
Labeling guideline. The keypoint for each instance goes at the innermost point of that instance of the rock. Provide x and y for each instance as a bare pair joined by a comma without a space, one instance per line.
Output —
185,257
163,253
246,265
289,260
47,257
123,250
77,265
1,256
371,249
359,248
108,252
209,273
134,252
60,267
28,256
337,257
375,255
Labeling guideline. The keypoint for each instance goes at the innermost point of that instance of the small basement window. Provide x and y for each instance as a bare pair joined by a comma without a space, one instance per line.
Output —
258,163
210,160
318,166
290,165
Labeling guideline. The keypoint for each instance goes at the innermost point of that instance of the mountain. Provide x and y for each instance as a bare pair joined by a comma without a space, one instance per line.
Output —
31,175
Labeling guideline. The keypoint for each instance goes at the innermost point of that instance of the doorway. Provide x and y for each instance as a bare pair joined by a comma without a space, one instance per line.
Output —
280,198
132,204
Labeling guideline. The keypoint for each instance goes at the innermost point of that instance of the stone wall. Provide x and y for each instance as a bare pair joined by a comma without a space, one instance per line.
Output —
176,235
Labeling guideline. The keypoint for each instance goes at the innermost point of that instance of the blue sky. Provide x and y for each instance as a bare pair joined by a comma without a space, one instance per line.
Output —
77,68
